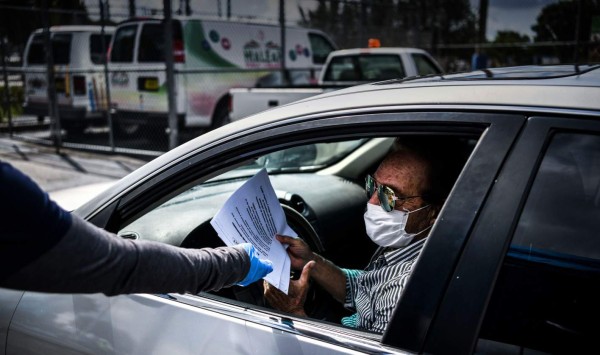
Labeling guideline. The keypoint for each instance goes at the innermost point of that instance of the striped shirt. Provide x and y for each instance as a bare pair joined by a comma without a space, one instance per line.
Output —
374,292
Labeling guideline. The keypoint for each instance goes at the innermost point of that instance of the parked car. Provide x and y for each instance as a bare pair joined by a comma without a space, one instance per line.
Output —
512,264
78,59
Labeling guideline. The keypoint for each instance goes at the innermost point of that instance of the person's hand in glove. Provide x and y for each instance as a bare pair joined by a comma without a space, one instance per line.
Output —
258,268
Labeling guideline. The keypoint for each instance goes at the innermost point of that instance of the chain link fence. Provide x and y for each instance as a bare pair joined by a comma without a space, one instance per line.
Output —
99,80
66,93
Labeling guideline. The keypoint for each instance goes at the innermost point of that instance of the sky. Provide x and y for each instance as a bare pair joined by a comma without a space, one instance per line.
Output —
516,15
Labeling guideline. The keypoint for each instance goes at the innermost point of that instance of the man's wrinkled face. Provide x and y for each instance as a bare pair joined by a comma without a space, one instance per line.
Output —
406,174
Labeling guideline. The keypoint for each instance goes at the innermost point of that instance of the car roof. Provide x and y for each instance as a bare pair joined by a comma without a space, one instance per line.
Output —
545,90
78,28
535,87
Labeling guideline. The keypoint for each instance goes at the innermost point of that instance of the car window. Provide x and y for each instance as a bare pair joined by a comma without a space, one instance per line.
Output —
321,47
152,42
372,67
97,55
342,69
424,65
122,47
321,187
546,296
61,49
307,158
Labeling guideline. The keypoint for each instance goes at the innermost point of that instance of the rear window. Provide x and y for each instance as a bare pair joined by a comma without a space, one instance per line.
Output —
97,54
152,42
122,47
61,49
424,65
367,67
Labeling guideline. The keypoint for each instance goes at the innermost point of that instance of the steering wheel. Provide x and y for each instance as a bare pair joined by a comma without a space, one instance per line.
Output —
313,306
317,300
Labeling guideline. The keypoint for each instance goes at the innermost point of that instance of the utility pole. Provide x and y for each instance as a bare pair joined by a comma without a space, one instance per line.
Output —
482,29
7,91
51,84
170,60
577,42
103,16
131,8
284,76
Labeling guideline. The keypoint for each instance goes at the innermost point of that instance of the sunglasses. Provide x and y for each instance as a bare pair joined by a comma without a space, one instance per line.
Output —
387,197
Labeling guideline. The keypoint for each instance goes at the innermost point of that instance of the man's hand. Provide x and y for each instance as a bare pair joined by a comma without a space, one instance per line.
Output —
293,302
299,252
258,268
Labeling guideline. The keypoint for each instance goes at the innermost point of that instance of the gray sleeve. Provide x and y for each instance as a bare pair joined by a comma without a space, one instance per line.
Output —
88,260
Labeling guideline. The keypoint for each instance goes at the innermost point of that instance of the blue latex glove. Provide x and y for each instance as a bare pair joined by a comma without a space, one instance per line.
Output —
258,268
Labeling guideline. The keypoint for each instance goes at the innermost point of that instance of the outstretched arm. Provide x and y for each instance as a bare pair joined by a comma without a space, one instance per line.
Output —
45,248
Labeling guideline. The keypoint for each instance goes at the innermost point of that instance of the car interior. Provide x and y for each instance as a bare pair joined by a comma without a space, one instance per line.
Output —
321,189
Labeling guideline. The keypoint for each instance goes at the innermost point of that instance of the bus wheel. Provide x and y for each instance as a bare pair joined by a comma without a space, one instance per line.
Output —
221,117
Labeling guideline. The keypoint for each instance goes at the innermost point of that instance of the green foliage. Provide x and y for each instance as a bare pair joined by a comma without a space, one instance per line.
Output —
512,48
403,23
16,100
557,22
18,18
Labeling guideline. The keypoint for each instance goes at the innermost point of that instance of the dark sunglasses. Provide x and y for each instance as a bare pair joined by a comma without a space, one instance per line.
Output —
387,197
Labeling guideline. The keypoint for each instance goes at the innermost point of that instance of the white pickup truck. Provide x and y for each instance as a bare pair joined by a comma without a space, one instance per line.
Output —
343,68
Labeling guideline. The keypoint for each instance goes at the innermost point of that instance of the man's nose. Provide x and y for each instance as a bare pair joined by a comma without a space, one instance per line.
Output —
374,200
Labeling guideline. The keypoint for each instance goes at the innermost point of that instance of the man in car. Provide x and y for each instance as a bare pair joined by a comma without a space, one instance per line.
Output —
44,248
405,195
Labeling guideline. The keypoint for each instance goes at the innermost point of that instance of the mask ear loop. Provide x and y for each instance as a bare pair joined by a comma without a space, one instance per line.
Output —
416,234
417,210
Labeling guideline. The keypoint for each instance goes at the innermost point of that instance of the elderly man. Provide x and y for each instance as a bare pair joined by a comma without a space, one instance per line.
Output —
405,194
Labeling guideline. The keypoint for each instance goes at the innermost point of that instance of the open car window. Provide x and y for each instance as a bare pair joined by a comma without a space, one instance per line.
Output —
321,188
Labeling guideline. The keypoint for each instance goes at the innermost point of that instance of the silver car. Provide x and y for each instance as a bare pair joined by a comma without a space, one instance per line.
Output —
512,264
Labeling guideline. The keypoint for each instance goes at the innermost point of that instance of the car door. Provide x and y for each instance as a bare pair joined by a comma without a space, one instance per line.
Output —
196,323
528,278
124,70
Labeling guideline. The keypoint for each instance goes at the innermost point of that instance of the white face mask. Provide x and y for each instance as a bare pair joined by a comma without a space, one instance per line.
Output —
388,229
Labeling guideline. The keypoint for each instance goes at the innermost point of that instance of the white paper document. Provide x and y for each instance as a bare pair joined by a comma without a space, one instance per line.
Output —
253,215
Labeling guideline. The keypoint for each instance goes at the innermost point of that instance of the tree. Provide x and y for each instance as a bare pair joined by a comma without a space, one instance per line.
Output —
557,22
508,52
413,23
18,18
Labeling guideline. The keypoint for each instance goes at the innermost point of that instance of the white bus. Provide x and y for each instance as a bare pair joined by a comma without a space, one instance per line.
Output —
211,57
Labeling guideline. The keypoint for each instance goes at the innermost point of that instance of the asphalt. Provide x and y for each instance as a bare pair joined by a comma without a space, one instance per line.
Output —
67,169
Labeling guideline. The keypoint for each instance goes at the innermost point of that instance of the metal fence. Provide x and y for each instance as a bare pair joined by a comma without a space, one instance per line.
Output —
64,92
57,87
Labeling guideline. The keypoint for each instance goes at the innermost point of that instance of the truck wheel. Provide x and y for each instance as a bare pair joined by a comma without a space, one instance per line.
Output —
221,117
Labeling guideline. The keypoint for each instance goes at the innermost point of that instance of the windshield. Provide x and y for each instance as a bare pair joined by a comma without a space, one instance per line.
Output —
304,158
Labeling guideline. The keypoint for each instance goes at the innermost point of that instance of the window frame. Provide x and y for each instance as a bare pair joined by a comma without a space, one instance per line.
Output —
489,240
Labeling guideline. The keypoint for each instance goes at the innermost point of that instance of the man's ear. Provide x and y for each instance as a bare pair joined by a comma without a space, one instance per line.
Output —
433,214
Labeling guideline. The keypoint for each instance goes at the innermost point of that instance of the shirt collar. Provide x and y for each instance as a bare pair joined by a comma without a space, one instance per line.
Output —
408,252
